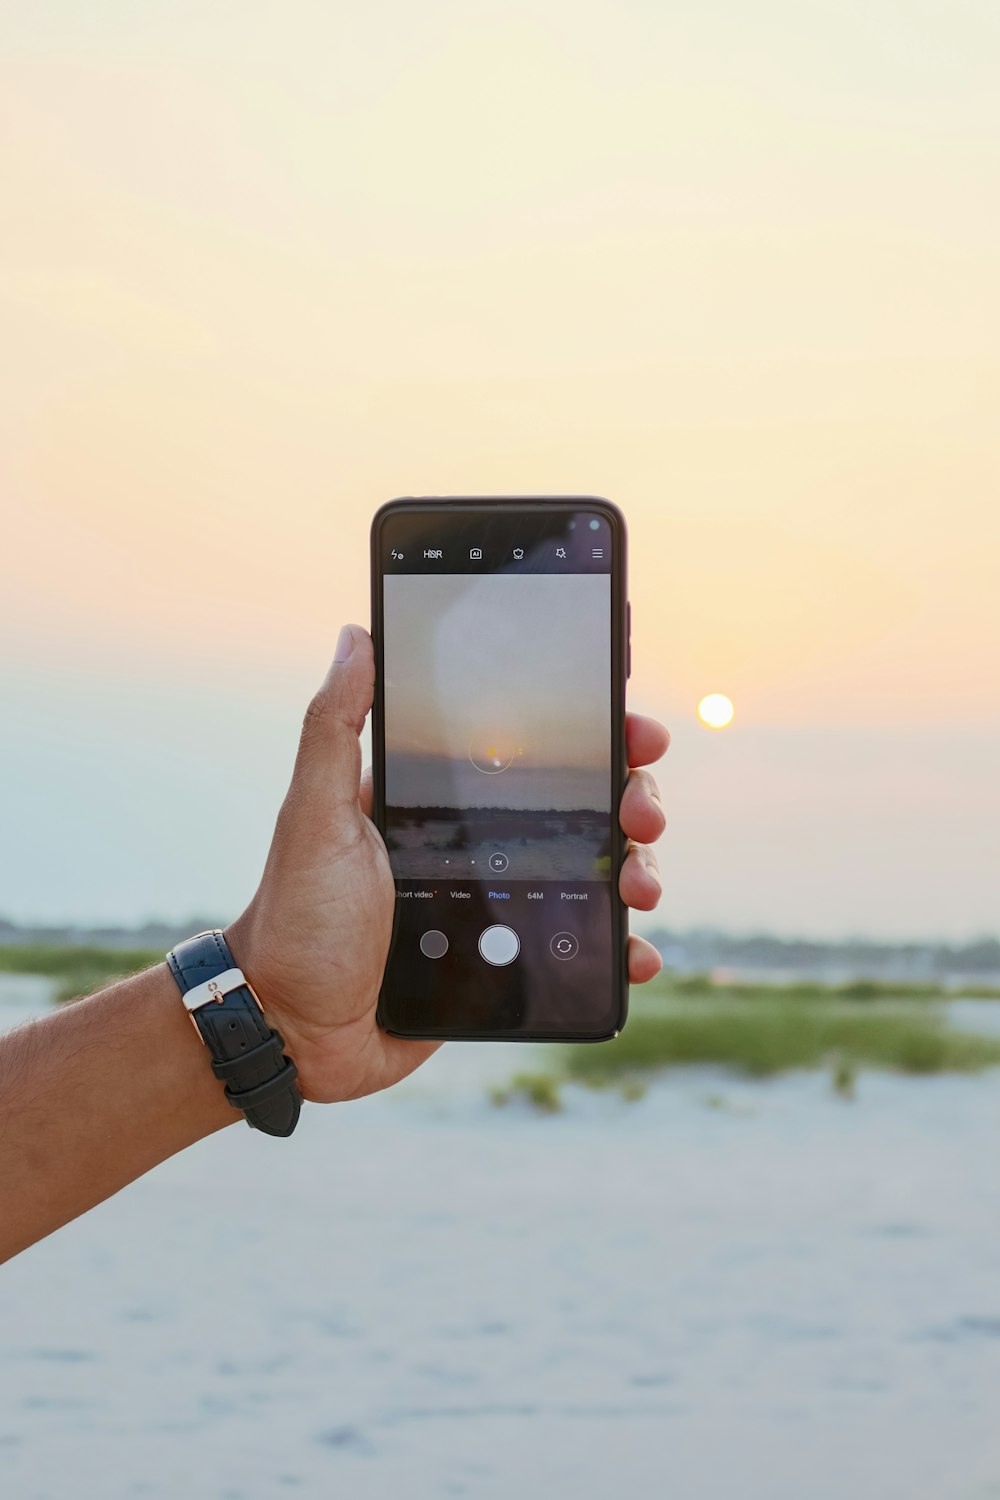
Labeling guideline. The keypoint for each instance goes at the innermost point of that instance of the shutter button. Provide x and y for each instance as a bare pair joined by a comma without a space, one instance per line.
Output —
499,945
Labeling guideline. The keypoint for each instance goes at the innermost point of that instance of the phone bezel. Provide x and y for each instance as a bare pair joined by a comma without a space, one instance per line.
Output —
619,759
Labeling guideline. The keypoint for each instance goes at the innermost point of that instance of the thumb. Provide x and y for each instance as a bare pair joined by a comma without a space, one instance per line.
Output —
329,749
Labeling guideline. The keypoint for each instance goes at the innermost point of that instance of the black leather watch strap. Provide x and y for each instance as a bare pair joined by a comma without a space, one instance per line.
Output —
247,1053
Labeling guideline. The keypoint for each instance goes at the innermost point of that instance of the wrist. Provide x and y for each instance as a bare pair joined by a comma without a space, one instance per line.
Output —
265,971
182,1073
251,955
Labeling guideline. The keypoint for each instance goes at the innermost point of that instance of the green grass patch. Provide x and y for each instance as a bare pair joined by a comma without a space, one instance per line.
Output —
541,1090
761,1031
79,970
776,1035
703,987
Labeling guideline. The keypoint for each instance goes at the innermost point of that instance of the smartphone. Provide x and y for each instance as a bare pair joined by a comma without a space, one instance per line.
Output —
501,647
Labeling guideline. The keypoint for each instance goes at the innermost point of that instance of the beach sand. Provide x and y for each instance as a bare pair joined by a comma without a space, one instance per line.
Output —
727,1288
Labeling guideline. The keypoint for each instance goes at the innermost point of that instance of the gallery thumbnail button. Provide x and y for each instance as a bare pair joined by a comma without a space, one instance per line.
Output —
499,945
434,944
564,945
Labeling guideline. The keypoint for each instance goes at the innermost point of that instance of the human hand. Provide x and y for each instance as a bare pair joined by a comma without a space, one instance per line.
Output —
315,937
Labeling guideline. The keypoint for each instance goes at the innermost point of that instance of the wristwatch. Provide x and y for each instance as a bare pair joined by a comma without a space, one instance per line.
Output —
247,1053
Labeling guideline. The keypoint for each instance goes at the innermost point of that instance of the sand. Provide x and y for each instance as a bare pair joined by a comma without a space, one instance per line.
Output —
724,1289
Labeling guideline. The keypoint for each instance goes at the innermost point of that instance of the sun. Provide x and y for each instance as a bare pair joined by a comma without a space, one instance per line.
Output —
716,711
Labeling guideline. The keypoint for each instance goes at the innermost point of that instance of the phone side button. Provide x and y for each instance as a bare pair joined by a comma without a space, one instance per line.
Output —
628,639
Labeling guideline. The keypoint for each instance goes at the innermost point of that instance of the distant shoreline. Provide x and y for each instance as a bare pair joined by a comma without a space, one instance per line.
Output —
685,951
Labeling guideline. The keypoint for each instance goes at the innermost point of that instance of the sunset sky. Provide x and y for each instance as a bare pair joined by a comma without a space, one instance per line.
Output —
264,266
498,690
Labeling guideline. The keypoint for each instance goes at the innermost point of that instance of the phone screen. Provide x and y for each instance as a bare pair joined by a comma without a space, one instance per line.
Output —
498,768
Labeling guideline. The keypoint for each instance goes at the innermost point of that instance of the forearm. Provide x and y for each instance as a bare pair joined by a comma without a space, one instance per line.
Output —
94,1095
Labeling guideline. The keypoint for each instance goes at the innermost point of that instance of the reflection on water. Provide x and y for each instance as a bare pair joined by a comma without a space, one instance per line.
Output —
21,995
724,1289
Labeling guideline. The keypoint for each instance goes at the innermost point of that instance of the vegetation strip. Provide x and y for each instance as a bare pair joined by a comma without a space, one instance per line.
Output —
753,1029
761,1031
79,970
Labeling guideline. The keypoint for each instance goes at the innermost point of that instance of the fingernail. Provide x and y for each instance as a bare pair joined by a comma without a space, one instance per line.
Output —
345,644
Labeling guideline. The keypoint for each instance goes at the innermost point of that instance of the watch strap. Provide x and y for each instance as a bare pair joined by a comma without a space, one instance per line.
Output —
247,1053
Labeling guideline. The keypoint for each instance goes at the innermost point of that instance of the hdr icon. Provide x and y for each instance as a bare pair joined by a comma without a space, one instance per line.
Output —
433,553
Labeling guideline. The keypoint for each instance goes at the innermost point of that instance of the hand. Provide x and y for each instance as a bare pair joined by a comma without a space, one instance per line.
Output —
315,937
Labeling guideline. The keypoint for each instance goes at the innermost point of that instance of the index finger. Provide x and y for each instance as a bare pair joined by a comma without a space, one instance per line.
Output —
645,739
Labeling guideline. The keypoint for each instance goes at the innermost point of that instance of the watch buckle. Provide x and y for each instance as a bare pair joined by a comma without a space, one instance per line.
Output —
214,991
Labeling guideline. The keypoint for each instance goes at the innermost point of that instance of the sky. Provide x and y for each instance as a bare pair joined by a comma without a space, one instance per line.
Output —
264,266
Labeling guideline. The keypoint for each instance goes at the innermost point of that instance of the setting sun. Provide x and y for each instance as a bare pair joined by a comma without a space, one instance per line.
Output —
716,711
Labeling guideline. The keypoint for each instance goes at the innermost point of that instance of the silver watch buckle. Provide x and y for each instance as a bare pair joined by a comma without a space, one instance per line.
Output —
216,990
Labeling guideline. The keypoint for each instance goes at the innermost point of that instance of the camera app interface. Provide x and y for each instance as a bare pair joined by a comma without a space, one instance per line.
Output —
498,795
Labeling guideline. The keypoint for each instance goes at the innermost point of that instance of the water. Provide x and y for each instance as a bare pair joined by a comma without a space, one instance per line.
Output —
726,1288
